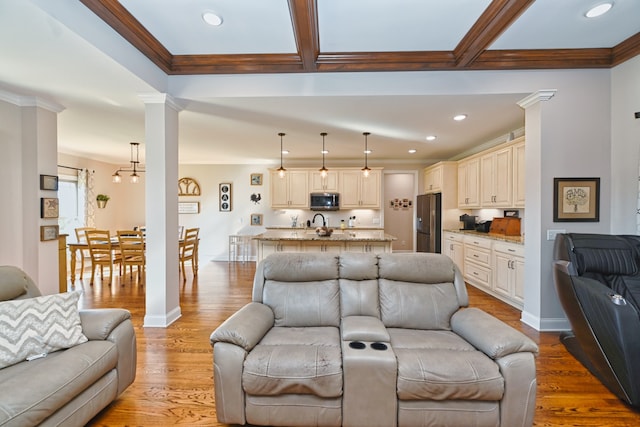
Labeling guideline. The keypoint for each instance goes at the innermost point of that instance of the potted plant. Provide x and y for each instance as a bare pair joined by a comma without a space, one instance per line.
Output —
102,200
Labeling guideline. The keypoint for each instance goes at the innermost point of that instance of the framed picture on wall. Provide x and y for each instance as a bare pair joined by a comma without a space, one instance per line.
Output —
49,182
225,197
256,219
49,232
256,179
49,207
576,199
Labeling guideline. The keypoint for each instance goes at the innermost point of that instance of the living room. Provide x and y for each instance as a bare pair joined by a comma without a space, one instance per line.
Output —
585,129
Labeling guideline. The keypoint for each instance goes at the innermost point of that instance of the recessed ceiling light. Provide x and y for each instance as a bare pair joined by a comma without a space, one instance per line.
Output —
412,151
324,151
285,151
598,10
459,117
431,138
212,19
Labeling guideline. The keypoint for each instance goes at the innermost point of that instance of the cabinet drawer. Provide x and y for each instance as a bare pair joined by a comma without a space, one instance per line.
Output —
509,248
454,237
477,274
478,242
477,255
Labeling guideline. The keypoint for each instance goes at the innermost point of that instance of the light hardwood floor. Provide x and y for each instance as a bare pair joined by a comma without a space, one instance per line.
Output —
174,384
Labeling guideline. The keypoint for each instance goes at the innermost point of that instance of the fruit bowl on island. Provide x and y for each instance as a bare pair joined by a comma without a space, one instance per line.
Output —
324,231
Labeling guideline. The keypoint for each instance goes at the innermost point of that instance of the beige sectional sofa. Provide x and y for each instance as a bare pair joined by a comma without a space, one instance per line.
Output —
67,387
358,339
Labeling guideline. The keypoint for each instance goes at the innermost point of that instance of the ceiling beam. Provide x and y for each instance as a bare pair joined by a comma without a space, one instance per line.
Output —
496,18
304,16
626,50
125,24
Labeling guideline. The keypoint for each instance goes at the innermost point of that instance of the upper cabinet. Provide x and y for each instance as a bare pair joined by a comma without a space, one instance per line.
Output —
318,184
290,191
518,174
433,179
496,176
469,183
358,191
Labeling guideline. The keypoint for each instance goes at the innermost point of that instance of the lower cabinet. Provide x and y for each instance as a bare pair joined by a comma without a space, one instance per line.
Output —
493,266
508,261
268,247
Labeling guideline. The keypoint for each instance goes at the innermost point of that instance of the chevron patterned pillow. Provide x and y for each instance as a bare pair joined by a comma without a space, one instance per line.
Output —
39,326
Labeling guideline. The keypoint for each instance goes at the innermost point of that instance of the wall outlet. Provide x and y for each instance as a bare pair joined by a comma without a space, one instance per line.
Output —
551,234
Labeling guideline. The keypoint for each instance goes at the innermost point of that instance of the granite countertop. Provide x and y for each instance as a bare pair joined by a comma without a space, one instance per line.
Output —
359,227
309,234
501,237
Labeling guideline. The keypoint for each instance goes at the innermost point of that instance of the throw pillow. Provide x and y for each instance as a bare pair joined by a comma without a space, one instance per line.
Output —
41,325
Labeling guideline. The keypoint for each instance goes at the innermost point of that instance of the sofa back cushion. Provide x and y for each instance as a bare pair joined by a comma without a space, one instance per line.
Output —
16,284
359,298
308,303
417,305
416,267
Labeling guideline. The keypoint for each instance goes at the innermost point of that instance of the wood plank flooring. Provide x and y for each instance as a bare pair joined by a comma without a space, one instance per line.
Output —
174,384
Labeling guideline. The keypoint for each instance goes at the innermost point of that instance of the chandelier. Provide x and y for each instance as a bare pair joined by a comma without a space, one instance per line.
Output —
135,167
366,169
323,169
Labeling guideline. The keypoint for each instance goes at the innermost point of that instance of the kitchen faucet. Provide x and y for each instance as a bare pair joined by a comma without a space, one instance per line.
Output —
324,222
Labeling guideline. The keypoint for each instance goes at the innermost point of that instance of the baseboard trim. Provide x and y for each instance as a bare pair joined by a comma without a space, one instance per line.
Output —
545,324
159,321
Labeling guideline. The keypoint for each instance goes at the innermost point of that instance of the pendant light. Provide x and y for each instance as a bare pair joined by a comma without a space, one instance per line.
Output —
366,169
281,170
323,170
135,168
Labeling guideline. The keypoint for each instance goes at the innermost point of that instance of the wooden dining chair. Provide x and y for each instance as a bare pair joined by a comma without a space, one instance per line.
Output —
132,252
189,250
102,253
84,253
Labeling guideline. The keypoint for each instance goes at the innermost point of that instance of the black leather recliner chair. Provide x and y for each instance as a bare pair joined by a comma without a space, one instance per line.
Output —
597,278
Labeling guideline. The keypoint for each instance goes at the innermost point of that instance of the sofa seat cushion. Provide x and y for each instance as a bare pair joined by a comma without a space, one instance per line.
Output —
295,360
440,365
32,391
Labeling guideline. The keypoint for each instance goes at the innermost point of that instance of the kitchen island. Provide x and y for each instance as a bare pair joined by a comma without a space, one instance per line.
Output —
306,240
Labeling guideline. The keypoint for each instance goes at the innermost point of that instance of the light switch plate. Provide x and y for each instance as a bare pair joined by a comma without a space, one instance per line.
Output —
551,234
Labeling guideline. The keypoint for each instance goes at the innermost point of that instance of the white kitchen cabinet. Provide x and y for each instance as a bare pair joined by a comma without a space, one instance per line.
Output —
375,247
518,174
469,183
496,177
318,184
454,248
477,261
508,266
319,246
269,247
290,191
433,179
358,191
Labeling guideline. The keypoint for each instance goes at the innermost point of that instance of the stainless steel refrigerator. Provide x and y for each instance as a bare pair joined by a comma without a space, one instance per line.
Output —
429,222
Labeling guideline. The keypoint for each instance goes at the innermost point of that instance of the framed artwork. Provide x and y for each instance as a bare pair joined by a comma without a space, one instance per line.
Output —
188,207
256,219
576,199
256,179
49,232
49,182
49,207
225,197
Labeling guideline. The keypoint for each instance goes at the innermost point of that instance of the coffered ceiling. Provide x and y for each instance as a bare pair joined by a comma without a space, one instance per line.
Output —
297,66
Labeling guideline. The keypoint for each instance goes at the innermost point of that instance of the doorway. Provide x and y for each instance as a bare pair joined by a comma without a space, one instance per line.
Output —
399,208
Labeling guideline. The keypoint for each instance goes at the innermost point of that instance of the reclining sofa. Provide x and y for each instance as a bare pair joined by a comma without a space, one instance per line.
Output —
70,386
358,339
597,278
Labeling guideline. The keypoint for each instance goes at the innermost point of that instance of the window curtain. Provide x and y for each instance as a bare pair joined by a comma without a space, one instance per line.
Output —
86,196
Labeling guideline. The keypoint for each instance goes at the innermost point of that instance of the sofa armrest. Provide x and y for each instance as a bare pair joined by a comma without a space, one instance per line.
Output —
364,328
490,335
246,327
114,324
98,323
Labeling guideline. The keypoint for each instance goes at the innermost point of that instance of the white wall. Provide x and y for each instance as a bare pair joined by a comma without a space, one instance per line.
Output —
625,146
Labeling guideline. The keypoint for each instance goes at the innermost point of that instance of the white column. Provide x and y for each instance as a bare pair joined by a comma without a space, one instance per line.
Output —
537,288
161,193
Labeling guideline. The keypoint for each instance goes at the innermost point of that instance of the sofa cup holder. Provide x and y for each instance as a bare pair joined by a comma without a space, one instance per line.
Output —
378,346
359,345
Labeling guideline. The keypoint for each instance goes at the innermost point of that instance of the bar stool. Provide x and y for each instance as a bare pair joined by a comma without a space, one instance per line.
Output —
239,247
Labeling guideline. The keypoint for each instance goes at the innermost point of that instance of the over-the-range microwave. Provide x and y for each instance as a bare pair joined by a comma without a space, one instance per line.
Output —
324,201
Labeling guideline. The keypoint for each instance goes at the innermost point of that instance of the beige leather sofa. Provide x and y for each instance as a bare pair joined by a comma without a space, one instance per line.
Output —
358,339
68,387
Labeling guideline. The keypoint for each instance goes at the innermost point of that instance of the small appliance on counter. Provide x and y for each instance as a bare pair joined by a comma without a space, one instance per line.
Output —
468,222
505,226
483,226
